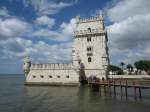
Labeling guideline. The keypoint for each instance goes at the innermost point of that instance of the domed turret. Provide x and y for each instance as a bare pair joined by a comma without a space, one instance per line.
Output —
26,65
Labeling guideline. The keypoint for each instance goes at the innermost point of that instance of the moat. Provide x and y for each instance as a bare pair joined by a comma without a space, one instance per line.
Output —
15,97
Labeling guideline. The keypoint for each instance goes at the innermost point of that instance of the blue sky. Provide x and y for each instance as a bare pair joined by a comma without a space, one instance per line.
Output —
43,30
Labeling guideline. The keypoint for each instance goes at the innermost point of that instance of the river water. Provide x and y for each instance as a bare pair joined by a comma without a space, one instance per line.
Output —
15,97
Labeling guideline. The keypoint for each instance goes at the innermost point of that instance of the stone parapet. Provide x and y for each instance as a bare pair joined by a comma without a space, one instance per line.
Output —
87,32
91,19
52,66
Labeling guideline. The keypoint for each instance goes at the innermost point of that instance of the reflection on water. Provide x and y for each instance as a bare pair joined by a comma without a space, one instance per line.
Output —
15,97
77,99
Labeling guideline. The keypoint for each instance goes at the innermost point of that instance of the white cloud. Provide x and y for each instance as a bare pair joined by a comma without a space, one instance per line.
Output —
48,7
129,34
12,27
45,20
16,49
46,33
128,8
64,33
4,12
68,28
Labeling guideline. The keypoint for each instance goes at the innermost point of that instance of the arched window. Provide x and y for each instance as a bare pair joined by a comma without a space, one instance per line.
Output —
89,59
89,29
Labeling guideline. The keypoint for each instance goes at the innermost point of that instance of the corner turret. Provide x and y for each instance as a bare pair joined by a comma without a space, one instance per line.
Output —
26,65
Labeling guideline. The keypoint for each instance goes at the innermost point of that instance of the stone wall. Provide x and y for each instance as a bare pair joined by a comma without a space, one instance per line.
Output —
52,73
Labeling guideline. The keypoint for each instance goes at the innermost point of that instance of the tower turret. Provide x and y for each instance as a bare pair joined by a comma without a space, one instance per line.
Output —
91,45
26,65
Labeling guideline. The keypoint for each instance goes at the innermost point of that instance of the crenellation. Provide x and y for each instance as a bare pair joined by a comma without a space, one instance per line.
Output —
51,66
90,19
86,32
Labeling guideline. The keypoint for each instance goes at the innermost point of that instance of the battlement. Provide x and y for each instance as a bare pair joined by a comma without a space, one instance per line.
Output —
98,17
52,66
86,32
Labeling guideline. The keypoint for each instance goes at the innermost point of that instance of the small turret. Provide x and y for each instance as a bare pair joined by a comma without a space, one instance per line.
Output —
77,18
26,65
76,58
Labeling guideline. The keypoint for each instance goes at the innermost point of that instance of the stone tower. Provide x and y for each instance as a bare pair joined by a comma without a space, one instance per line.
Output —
90,46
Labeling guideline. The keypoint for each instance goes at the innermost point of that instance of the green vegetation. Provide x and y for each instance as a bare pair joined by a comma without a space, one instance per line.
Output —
122,64
143,65
115,70
130,68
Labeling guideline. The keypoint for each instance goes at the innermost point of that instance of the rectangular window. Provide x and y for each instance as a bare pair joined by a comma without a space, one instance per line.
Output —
89,54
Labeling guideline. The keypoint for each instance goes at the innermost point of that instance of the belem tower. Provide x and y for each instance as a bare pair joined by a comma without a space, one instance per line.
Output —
89,57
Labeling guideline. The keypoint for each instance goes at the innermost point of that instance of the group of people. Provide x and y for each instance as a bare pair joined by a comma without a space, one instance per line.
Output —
93,78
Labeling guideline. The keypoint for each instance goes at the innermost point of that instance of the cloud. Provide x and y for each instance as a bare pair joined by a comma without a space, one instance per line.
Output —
68,28
46,33
4,12
48,7
64,32
45,21
16,49
14,46
128,8
129,38
12,28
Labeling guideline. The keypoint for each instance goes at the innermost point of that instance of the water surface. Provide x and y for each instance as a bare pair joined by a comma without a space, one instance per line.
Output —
15,97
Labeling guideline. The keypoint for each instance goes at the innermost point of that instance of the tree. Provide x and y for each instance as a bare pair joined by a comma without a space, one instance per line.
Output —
143,65
130,68
115,69
122,64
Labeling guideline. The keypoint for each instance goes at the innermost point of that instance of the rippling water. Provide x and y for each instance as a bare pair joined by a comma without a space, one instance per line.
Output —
15,97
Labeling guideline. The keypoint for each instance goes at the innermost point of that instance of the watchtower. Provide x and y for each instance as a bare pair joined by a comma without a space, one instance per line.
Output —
90,45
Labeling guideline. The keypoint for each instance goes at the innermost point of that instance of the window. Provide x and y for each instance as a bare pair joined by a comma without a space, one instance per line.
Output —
50,76
73,51
89,59
89,48
34,76
67,76
88,39
42,76
89,54
79,61
58,76
89,29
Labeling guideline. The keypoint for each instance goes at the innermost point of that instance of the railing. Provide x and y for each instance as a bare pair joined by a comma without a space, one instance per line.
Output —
128,83
93,31
112,85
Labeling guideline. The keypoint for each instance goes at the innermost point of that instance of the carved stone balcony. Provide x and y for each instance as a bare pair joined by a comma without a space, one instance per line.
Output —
87,32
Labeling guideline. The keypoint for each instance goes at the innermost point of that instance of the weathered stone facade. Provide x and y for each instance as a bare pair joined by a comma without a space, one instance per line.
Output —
90,54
